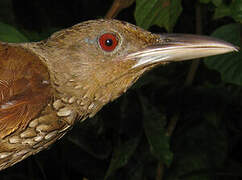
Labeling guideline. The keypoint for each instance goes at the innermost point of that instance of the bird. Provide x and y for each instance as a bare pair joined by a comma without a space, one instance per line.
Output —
48,86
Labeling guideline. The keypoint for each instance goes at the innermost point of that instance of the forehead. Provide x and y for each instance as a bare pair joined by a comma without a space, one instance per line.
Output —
95,28
103,24
98,27
86,35
129,32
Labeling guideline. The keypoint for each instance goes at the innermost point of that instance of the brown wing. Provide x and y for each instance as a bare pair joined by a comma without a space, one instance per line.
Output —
24,88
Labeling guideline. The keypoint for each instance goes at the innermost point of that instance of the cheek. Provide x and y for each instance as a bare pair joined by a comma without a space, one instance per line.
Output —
110,71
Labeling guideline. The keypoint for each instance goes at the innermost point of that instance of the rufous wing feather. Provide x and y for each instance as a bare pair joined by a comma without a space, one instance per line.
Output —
24,88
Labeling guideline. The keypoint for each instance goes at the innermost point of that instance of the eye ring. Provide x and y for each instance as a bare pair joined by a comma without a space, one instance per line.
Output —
108,41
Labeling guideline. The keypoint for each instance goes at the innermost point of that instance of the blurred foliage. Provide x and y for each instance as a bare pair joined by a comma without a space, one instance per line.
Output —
226,8
154,127
128,139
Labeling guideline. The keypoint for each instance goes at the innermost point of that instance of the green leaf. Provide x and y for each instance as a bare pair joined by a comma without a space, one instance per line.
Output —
205,1
154,123
222,11
163,13
10,34
229,65
122,154
236,10
217,2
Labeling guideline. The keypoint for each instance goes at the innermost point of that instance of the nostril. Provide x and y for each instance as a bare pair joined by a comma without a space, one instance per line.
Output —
167,40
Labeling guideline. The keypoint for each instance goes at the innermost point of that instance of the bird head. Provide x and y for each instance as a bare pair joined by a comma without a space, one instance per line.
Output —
97,61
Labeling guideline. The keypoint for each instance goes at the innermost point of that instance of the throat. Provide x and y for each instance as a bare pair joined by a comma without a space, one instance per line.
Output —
81,100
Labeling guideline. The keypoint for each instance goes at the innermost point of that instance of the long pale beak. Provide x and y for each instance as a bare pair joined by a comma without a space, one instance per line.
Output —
180,47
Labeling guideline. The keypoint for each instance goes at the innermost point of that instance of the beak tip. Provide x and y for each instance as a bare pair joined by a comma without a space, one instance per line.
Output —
236,48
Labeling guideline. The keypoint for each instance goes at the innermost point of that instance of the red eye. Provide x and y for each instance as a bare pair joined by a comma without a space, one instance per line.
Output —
108,42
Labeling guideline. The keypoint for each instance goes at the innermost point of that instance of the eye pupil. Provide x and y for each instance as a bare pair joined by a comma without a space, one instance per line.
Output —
109,42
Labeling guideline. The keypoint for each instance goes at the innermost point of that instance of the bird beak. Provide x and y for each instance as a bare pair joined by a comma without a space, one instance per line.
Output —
180,47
